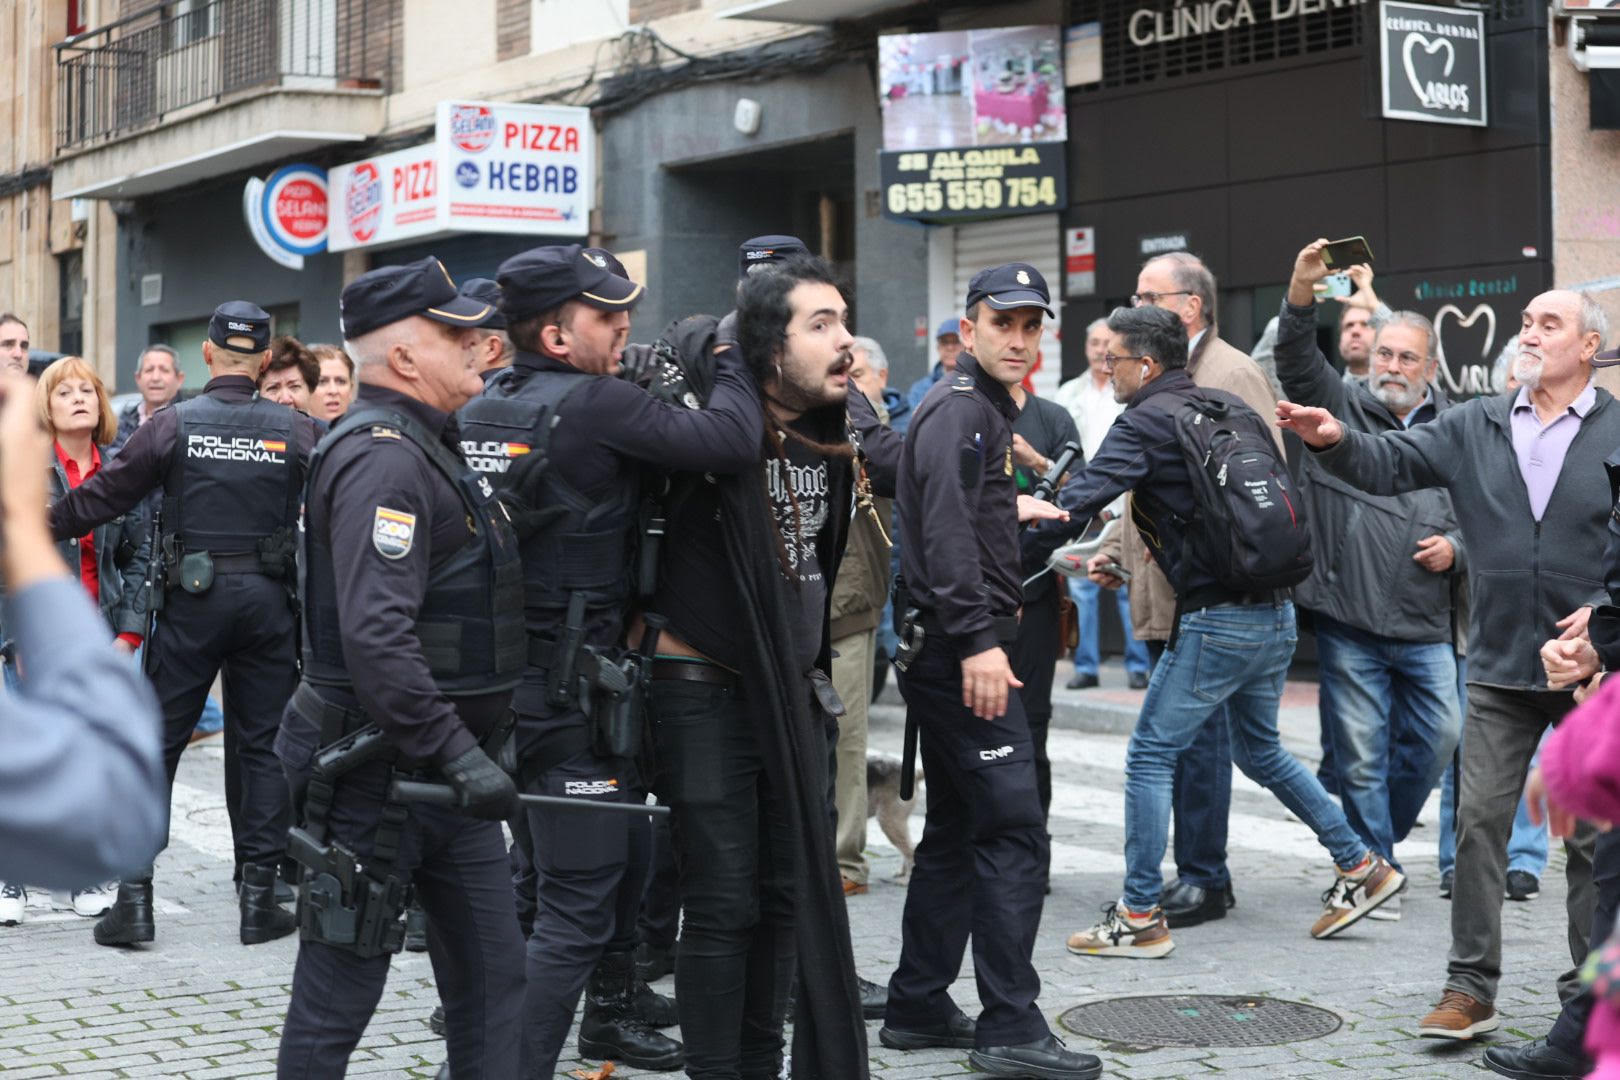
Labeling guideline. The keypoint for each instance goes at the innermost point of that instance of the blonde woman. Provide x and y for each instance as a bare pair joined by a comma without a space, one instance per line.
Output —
110,561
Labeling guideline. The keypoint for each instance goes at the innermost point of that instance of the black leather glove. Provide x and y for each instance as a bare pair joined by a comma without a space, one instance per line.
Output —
485,789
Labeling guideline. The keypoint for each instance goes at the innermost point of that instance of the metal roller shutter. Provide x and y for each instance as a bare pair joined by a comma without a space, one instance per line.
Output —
1032,239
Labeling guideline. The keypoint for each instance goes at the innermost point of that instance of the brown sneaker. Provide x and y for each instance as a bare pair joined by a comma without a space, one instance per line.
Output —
1122,933
1459,1017
1356,892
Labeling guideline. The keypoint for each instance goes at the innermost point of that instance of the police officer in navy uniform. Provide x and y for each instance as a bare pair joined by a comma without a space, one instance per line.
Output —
413,641
981,866
566,443
231,466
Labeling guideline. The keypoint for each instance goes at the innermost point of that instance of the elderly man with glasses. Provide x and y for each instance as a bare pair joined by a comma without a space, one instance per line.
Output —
1381,595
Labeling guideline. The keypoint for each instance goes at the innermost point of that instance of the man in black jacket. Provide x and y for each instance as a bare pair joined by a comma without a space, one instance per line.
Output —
1381,590
1227,647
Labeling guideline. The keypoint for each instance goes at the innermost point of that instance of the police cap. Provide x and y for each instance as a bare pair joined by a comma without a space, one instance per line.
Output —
240,319
544,278
605,258
765,250
389,294
1013,285
486,291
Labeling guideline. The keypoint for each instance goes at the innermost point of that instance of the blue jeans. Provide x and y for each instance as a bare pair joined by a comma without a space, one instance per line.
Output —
1527,844
1235,656
1087,654
1202,803
1394,721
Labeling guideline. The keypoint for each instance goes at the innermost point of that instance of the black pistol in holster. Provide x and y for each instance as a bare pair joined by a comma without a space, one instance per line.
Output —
353,903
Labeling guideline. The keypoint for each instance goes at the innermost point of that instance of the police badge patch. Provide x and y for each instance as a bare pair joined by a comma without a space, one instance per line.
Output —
392,532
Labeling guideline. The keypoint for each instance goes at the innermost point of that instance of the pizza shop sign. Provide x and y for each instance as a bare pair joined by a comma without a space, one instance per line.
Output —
1155,26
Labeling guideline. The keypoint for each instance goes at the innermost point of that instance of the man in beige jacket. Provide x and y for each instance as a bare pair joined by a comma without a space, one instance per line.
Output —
1181,283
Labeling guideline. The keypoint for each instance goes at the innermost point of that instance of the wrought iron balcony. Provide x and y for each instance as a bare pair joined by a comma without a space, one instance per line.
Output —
177,59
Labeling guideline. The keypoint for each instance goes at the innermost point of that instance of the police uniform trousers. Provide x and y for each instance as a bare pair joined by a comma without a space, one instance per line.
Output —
589,872
981,866
458,866
1034,661
244,626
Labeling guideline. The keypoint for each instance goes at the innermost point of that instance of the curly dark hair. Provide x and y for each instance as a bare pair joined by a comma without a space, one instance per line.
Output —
763,310
289,352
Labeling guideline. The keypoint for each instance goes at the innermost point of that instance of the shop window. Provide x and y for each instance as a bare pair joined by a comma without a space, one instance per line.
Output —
70,306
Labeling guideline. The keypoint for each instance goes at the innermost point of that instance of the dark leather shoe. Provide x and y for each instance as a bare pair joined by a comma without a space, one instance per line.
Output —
1046,1057
956,1033
436,1022
1137,680
653,963
874,999
651,1007
129,920
1081,682
1186,904
1538,1061
262,918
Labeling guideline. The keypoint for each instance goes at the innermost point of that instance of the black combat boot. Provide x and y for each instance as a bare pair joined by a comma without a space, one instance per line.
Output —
610,1028
262,918
651,1007
129,921
415,929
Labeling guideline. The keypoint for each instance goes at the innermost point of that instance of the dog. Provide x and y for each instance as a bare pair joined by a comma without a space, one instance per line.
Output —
883,802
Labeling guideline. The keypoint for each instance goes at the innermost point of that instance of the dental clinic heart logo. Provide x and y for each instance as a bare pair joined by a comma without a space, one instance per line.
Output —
1432,63
1469,372
1430,48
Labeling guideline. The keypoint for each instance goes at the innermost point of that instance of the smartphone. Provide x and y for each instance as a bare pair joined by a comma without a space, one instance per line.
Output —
1335,285
1343,254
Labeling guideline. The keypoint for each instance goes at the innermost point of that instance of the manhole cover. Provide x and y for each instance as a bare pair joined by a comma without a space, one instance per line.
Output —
1199,1020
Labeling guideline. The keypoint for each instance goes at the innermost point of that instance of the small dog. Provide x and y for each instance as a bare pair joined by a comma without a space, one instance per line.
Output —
883,802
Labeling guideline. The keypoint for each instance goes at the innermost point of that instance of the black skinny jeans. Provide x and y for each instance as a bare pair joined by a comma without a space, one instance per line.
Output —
735,861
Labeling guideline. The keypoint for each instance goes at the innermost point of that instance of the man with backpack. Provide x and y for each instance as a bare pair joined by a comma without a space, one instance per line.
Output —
1215,505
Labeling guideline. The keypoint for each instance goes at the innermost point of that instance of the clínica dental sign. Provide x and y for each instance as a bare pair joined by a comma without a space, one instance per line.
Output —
1154,26
1432,63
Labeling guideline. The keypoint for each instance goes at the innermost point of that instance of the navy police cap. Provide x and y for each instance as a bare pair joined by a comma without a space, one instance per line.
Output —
486,291
544,278
1012,285
391,293
765,250
240,319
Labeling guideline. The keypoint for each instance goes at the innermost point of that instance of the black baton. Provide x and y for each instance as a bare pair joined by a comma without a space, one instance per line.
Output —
908,758
444,795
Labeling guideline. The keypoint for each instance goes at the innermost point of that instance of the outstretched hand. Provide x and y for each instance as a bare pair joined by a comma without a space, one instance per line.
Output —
1316,427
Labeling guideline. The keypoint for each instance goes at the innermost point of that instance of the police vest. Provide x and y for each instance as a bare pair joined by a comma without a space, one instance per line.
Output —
470,623
233,477
588,549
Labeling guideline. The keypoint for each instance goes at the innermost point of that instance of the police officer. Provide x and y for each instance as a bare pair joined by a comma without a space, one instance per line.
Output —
231,466
566,443
413,641
981,866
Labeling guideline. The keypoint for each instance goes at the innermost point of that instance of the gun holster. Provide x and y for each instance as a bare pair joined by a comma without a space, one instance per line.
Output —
610,695
911,635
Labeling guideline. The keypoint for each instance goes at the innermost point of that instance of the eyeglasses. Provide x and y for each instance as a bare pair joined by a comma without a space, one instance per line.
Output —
1148,299
1109,360
1385,355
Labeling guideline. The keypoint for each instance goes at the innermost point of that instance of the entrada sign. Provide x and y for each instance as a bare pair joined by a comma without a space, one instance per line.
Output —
1155,26
1432,63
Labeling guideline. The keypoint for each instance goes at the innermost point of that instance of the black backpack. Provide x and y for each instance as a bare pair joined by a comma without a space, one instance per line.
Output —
1250,522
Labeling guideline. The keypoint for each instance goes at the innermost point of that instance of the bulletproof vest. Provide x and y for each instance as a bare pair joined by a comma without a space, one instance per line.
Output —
233,478
588,548
470,623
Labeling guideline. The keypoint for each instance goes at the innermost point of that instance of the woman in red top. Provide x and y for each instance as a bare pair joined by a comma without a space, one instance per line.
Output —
111,561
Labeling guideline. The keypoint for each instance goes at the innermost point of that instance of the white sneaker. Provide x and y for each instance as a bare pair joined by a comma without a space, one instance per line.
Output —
1388,911
86,903
13,904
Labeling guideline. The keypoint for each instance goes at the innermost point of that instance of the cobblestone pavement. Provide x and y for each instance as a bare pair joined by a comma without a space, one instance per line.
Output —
196,1004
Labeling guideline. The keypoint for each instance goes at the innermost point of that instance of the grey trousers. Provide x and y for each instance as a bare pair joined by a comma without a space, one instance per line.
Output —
1504,727
852,678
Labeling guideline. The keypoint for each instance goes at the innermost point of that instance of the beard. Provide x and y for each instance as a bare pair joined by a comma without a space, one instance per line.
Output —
1528,367
1398,393
802,386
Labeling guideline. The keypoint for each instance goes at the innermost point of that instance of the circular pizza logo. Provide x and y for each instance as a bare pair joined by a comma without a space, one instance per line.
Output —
362,201
295,208
472,127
